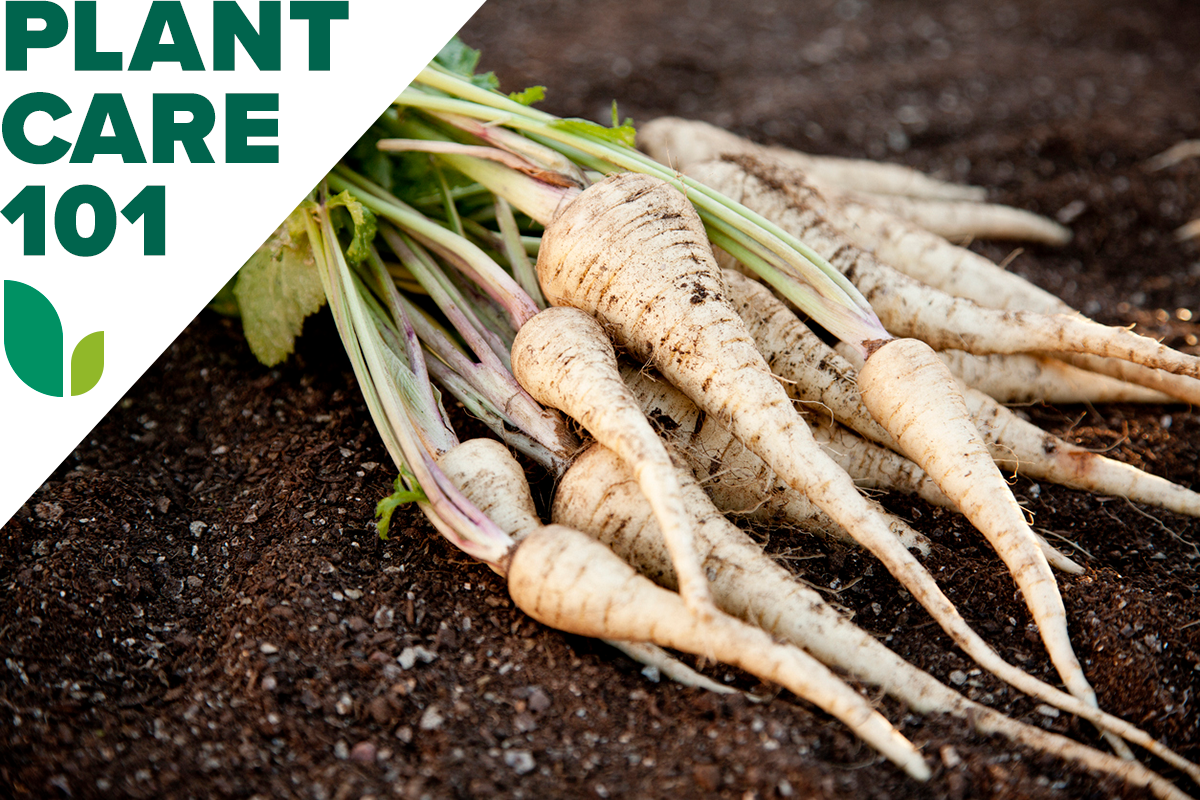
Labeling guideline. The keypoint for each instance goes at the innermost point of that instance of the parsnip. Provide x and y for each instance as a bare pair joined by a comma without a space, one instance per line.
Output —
632,251
923,427
911,198
961,220
569,581
932,260
680,143
597,496
946,435
1023,378
1178,387
563,358
813,372
492,480
1022,447
959,272
876,467
910,309
737,480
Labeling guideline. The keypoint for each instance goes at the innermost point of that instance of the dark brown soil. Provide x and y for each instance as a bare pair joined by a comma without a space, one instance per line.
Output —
195,605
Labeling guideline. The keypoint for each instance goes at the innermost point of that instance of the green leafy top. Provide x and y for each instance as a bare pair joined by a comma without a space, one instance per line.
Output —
462,60
402,495
276,289
621,133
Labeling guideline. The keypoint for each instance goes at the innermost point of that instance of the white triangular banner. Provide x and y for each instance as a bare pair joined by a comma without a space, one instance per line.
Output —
214,215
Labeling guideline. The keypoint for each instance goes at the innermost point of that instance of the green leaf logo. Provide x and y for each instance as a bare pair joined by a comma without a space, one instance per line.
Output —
33,342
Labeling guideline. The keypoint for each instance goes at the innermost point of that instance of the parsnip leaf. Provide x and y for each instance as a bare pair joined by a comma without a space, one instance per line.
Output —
364,225
527,97
622,134
276,290
462,60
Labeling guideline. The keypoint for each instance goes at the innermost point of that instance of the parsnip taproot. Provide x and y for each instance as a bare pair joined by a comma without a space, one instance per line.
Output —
1024,378
965,471
737,480
827,378
910,309
680,143
821,377
960,272
1022,447
597,496
564,359
915,200
632,251
493,481
1178,387
959,220
932,260
876,467
911,373
570,581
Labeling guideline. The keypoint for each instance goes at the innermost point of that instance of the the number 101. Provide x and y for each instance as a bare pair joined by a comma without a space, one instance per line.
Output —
150,205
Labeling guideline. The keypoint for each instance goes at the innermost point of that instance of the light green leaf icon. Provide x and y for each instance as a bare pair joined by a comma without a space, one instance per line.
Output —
33,338
87,363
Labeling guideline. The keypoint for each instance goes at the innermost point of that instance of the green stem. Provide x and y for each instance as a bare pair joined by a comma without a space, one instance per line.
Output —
487,273
454,516
787,261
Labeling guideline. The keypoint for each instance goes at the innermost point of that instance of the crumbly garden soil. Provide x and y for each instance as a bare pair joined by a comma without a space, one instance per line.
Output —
195,604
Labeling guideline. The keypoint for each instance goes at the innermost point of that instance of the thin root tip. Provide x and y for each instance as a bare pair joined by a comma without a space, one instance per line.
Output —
919,770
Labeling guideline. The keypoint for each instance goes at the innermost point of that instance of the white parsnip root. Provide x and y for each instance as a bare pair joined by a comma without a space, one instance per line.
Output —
741,483
816,375
931,259
680,143
598,496
961,220
490,478
910,309
907,197
933,427
1022,447
570,581
563,358
1024,378
632,251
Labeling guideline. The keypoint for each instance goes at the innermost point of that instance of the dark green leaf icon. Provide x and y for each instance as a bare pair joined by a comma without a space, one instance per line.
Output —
87,363
33,338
